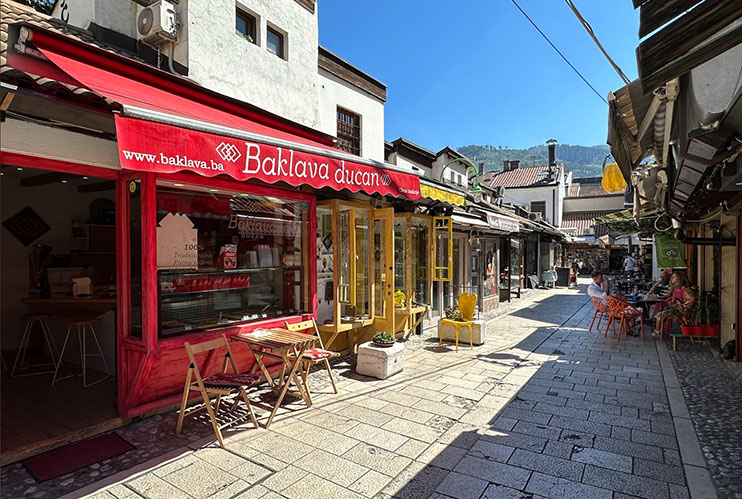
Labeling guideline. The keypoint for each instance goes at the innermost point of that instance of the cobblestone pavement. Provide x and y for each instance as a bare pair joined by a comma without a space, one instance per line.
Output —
713,393
543,409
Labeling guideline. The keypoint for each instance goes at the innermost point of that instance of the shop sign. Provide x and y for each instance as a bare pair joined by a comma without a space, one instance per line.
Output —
670,252
430,192
253,228
177,243
502,223
156,147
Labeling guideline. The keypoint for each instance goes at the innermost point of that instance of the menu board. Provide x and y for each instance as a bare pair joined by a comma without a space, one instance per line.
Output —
177,243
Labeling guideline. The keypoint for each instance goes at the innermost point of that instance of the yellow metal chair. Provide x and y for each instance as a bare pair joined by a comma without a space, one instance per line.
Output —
467,302
313,356
219,384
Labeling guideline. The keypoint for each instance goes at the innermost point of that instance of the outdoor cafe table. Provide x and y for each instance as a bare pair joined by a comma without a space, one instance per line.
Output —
283,345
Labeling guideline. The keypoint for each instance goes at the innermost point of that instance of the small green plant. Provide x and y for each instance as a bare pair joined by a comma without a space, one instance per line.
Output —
453,313
384,338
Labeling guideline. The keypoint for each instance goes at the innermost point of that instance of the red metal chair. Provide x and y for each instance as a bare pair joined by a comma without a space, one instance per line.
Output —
601,308
625,313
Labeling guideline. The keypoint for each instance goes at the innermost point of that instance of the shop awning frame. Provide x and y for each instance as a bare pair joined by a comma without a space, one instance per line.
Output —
164,121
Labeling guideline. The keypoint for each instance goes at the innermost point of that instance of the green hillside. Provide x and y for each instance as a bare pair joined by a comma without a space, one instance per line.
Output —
584,161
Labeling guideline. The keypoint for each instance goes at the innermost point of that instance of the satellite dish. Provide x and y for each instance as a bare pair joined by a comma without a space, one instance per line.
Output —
145,21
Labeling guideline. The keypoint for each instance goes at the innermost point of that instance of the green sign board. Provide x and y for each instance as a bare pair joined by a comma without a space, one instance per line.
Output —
670,252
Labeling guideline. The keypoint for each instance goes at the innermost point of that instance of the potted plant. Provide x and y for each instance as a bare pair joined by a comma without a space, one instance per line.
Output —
700,319
383,339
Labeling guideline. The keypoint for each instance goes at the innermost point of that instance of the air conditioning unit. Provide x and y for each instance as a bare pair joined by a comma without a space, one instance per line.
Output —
145,3
157,24
499,191
534,217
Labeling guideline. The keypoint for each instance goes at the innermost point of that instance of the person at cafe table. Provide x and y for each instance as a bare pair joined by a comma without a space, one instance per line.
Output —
600,287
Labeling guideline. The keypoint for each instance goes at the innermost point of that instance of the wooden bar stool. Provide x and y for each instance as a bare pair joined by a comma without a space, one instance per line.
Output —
20,357
82,325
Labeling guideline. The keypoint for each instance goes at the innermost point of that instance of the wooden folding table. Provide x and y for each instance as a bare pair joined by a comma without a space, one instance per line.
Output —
283,345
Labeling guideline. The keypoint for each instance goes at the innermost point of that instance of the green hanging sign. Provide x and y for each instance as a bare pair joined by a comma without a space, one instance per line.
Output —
670,252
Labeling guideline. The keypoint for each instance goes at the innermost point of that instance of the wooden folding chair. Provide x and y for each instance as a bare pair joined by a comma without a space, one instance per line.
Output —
220,384
313,356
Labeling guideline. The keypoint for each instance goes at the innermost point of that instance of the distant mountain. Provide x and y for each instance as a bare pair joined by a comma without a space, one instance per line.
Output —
584,161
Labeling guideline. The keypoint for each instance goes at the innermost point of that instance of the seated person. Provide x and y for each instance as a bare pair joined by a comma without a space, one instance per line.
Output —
682,306
599,288
661,287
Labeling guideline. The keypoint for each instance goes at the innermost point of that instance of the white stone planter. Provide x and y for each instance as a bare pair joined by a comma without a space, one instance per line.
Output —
380,362
478,332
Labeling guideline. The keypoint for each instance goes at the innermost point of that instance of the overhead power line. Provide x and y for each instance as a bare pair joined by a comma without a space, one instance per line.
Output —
559,52
590,32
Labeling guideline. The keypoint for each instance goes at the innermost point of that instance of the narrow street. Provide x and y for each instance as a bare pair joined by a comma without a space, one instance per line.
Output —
544,408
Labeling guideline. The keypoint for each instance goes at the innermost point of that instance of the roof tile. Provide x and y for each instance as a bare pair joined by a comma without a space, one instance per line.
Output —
524,176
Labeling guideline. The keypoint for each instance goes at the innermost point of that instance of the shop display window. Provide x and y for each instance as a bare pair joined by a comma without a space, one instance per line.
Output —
400,260
420,256
228,257
492,278
380,257
515,255
344,259
443,248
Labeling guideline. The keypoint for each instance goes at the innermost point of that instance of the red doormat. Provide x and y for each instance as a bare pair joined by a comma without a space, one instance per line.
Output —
72,457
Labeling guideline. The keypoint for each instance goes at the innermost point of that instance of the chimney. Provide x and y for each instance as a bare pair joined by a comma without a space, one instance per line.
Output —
481,167
514,164
551,143
506,165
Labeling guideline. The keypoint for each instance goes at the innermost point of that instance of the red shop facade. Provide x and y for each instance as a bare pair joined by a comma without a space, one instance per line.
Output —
215,211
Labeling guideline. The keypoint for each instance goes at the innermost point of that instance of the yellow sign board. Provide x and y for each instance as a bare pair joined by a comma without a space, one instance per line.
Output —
428,191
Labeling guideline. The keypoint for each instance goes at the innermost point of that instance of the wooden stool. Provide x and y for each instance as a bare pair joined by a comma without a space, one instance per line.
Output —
82,326
20,357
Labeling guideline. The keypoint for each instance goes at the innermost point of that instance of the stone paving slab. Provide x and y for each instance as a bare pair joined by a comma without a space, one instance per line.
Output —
544,409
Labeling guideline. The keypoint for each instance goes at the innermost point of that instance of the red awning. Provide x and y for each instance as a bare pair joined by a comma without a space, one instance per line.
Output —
240,143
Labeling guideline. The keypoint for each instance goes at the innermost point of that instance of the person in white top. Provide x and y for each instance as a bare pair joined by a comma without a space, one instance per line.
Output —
599,288
628,264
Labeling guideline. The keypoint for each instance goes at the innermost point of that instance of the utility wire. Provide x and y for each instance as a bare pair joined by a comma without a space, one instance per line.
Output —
559,52
590,32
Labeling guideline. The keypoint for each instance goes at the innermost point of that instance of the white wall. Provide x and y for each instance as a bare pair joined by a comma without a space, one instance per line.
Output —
334,92
458,169
600,203
58,205
524,196
78,13
402,162
223,61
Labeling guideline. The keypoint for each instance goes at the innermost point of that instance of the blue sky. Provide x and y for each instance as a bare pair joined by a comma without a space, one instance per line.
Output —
479,73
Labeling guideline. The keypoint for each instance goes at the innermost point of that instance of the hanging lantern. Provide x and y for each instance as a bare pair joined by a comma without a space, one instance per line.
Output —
613,181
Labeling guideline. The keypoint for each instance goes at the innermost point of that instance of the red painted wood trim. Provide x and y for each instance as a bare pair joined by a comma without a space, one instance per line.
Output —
311,273
137,386
122,284
149,261
40,163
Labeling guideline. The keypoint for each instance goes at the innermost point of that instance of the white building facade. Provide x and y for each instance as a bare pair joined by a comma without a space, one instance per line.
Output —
262,52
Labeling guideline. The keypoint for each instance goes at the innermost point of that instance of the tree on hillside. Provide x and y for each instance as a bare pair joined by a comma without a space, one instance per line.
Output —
43,6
